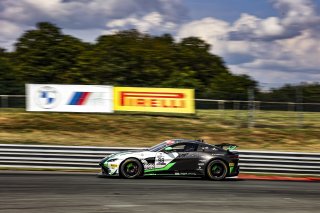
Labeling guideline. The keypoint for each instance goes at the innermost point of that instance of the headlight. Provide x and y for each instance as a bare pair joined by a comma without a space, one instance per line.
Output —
112,160
103,160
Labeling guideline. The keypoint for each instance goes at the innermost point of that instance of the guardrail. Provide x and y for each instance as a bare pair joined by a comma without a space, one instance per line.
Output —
87,158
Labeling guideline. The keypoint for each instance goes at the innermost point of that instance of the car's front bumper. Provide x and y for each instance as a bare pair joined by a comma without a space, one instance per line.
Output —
105,171
109,168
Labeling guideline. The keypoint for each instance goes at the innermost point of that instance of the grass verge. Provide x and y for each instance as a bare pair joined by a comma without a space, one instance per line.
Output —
273,130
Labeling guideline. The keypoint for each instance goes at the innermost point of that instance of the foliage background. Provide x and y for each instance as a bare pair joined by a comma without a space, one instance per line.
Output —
130,58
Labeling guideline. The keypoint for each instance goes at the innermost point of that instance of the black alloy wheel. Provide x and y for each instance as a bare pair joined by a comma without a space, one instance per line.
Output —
131,168
216,170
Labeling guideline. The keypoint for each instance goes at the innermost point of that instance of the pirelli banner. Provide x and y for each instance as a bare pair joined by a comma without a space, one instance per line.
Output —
154,99
69,98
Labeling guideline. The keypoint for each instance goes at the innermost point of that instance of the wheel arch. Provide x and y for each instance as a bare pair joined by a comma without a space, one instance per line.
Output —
217,158
131,158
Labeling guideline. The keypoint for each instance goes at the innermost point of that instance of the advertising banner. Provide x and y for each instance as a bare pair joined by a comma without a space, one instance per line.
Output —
154,99
69,98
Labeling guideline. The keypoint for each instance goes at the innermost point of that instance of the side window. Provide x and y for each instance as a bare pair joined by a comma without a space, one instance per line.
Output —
178,148
205,147
185,147
190,147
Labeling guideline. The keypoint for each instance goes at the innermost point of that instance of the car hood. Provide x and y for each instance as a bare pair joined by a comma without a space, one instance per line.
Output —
127,153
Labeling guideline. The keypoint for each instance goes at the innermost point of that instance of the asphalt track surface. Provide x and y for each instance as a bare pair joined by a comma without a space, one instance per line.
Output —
68,193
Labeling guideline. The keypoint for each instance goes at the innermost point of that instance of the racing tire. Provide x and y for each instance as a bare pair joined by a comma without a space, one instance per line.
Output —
131,168
216,170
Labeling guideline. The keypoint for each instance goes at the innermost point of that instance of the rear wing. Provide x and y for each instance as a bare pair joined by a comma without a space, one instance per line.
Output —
227,146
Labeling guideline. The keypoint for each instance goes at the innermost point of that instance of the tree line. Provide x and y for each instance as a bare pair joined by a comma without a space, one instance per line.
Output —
127,58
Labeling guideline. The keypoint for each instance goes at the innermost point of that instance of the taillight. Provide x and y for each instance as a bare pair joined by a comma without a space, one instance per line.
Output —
234,156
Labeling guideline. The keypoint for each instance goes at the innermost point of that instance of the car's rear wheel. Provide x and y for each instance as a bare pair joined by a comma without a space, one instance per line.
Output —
131,168
216,170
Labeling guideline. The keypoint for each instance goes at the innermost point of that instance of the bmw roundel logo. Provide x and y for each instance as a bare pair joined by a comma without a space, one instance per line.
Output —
47,97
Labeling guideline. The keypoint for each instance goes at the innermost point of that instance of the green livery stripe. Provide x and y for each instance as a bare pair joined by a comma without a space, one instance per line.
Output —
167,167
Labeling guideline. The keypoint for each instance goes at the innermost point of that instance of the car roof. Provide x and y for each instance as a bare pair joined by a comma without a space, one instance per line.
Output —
177,141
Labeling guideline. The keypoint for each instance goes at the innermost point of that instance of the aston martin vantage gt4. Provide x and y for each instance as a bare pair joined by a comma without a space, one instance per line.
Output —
175,157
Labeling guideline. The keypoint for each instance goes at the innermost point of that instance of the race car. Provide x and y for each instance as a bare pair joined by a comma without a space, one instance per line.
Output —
175,157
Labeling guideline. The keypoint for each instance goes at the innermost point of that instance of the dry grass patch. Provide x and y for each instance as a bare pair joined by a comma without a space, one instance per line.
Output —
272,131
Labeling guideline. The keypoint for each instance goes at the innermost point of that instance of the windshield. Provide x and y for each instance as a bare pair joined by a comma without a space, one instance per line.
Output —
158,147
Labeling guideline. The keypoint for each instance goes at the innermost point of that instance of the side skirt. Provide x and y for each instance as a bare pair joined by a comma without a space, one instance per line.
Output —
173,174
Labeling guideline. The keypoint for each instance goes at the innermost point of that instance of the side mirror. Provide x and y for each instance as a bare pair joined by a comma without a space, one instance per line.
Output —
168,149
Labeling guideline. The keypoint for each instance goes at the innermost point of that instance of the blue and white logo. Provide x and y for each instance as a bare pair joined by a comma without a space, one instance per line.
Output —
47,97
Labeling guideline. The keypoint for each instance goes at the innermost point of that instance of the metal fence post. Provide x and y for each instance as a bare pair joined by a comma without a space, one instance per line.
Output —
291,106
236,108
221,107
4,101
251,108
299,107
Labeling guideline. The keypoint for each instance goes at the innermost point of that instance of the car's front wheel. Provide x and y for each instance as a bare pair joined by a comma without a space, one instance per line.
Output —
216,170
131,168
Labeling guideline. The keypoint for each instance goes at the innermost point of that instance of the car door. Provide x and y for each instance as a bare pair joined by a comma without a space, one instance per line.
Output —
179,160
187,159
164,161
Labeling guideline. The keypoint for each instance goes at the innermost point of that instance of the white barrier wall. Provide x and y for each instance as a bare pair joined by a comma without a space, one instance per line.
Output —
88,157
69,98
